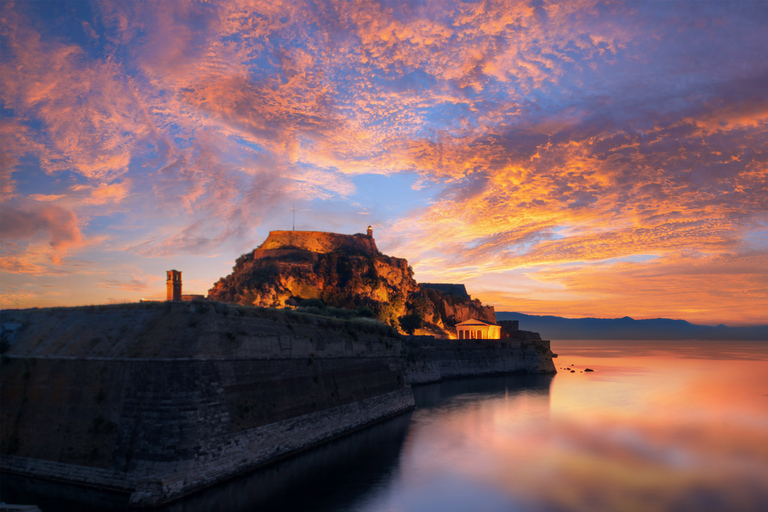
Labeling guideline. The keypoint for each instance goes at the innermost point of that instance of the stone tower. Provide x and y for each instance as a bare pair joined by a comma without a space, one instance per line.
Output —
173,285
370,231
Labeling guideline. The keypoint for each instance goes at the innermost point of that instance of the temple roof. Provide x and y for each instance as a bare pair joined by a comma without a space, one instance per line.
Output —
473,322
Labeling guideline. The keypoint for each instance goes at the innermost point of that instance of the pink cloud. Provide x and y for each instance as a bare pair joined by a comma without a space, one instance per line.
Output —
58,225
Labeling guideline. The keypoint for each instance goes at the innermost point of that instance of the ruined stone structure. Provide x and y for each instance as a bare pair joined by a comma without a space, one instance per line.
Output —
508,327
344,271
158,400
317,242
173,285
456,290
477,330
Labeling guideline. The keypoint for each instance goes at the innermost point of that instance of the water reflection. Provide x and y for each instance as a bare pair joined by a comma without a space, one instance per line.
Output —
657,426
329,477
54,497
480,388
451,448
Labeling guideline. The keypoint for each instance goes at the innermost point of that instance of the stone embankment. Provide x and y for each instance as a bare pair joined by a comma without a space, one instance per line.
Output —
159,400
431,360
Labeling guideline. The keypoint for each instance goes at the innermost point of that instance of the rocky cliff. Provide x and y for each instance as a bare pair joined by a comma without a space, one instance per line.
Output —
441,311
344,271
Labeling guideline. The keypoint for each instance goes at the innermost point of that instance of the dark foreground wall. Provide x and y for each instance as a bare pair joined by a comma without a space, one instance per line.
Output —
162,427
432,360
160,400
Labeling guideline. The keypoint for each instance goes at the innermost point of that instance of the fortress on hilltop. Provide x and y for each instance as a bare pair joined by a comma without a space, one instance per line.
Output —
316,241
158,400
349,272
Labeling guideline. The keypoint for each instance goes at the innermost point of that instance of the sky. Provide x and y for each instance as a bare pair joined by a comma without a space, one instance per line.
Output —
581,158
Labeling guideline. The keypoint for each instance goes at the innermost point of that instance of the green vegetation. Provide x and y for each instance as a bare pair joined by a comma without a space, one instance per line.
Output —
410,322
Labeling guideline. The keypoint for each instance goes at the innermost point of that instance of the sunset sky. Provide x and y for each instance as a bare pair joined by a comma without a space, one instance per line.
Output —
568,158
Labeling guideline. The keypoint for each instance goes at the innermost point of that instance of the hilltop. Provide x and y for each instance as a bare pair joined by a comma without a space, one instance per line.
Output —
318,269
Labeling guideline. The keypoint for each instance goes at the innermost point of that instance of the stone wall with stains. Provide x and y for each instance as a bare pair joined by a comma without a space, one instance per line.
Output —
429,359
170,398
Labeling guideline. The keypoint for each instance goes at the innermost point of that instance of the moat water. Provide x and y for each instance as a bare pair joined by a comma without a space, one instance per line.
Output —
657,426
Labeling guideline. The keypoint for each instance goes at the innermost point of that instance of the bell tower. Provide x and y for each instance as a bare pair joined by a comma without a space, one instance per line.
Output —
173,285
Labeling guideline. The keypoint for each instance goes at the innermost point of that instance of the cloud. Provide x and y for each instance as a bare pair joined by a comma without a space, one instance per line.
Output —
548,133
17,265
89,114
132,285
58,225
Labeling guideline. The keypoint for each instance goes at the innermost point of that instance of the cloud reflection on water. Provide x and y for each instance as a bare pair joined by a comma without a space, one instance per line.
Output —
648,430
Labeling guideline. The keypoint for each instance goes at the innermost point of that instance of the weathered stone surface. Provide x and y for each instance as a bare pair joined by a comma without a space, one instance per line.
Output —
159,400
342,270
431,360
191,330
319,242
185,407
5,507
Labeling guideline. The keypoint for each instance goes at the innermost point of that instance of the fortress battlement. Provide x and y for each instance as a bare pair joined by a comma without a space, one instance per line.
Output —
317,242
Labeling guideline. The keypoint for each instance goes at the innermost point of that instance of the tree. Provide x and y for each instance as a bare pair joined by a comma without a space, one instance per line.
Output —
410,322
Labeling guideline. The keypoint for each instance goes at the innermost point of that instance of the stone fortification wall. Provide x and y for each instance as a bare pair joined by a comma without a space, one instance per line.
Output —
159,400
319,242
457,290
430,360
169,399
192,330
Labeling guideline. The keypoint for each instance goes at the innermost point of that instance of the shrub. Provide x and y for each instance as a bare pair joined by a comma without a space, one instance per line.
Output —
410,322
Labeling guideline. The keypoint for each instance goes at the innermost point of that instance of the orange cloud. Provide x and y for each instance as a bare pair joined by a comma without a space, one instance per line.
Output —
549,134
103,194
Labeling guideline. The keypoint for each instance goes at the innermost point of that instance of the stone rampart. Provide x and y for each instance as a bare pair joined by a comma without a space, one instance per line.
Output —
430,359
161,399
171,398
318,242
193,330
457,290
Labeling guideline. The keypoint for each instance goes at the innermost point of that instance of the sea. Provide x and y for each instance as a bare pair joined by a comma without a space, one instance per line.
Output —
654,426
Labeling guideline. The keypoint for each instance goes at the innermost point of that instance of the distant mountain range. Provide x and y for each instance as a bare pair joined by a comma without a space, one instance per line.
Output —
555,327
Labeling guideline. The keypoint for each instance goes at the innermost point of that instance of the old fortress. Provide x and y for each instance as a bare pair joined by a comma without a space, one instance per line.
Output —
159,400
288,246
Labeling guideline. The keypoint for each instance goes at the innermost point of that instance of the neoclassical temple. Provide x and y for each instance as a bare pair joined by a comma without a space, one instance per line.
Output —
478,330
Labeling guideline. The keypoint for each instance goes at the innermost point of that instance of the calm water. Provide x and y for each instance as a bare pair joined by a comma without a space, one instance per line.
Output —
667,426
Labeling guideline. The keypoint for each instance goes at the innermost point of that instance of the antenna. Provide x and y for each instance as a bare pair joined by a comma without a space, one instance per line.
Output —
293,225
